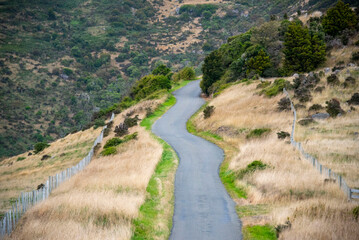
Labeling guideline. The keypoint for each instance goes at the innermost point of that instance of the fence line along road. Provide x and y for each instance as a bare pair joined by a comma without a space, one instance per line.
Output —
327,172
28,199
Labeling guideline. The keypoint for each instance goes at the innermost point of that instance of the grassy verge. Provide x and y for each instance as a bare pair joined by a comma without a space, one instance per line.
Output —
157,210
259,232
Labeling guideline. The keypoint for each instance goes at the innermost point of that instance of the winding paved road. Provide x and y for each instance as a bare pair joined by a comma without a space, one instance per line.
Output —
203,208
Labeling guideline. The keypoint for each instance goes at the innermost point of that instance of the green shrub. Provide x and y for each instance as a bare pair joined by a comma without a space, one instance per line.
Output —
130,122
130,137
263,84
99,123
148,85
113,142
38,147
356,213
258,132
187,73
333,108
284,104
316,107
121,129
68,71
333,79
109,151
355,56
275,88
252,167
161,70
207,112
283,135
20,159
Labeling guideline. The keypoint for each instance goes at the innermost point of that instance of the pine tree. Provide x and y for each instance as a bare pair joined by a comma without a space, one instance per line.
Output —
339,18
258,63
303,52
212,70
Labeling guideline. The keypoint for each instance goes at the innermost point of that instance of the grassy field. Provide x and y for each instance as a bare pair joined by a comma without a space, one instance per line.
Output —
103,200
278,188
334,141
121,196
25,173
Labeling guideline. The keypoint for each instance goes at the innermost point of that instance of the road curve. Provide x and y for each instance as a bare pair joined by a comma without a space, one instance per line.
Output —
203,208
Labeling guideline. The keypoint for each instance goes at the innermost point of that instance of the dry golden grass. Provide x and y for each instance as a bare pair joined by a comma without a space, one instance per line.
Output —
26,175
101,201
289,187
334,141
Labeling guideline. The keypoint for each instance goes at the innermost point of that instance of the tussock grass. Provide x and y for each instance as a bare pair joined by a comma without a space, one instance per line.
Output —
24,173
102,201
334,141
289,187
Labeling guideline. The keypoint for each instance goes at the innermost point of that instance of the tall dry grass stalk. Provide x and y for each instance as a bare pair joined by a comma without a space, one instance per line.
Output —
289,187
101,201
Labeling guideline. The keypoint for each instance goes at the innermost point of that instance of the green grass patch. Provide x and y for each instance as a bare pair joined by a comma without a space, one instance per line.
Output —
109,151
146,225
229,178
252,210
148,121
275,88
259,232
258,132
20,159
211,135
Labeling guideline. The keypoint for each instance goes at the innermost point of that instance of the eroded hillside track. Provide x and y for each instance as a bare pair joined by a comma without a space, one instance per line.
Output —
203,208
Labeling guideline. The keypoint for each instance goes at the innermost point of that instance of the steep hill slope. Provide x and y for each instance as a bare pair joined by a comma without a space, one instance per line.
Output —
61,61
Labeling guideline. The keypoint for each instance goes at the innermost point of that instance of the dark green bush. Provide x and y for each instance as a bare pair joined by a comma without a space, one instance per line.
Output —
283,135
258,132
356,213
38,147
20,159
130,122
333,79
99,123
349,81
315,107
284,104
161,70
113,142
207,112
121,129
355,56
333,108
148,85
252,167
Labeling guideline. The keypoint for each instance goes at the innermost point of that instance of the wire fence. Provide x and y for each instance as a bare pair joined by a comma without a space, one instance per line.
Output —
327,172
28,199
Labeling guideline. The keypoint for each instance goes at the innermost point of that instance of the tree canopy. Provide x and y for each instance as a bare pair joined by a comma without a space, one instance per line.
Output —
339,18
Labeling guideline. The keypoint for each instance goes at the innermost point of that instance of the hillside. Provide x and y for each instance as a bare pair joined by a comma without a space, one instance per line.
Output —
102,201
275,188
61,61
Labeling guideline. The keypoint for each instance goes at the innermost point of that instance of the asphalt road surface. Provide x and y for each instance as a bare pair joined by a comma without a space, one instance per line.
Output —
203,208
